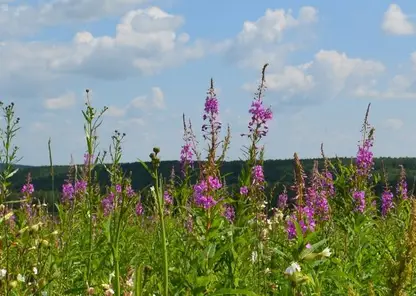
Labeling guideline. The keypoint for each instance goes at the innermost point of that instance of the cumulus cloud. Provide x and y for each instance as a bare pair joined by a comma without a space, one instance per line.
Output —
396,22
156,100
260,41
329,75
64,101
146,42
27,19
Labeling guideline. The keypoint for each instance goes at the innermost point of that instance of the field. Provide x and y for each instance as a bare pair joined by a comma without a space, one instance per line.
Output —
189,233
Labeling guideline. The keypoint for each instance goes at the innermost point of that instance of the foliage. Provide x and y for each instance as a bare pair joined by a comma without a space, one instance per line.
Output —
339,227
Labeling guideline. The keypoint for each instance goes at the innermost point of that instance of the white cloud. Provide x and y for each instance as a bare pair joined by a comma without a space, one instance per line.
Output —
114,111
27,19
393,123
64,101
261,41
329,75
396,22
146,42
155,101
413,59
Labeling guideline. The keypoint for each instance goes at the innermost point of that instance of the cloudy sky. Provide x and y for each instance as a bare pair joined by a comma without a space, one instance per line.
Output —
151,61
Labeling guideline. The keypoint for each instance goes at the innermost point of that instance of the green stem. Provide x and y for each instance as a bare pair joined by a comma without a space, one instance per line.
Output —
164,245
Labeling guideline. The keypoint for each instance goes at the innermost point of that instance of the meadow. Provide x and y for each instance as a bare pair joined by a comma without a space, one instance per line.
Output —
330,233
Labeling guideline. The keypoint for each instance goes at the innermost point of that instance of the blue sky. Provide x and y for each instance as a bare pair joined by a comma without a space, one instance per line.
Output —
151,61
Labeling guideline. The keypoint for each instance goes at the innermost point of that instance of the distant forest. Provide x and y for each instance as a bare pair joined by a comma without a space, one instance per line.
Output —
278,173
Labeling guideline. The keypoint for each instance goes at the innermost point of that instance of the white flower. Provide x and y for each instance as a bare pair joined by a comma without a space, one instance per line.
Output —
254,256
294,267
109,292
130,282
21,278
326,252
3,273
35,270
152,189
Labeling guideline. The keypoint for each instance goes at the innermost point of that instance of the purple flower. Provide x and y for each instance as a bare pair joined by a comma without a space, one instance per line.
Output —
129,191
282,201
108,204
186,156
28,189
139,209
167,197
80,187
243,190
364,160
402,184
211,106
229,213
359,197
118,188
257,175
201,196
386,202
260,117
68,192
88,159
214,183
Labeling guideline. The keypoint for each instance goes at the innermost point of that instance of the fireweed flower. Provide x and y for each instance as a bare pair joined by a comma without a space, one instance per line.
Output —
167,197
139,209
257,175
80,187
186,156
108,204
129,191
201,194
229,213
259,118
88,159
282,201
359,198
28,189
364,160
401,188
244,190
68,192
118,188
386,202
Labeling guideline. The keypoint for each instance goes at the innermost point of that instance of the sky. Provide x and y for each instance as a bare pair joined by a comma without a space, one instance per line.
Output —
151,61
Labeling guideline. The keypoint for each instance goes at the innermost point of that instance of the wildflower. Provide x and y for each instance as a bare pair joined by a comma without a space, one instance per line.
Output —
21,278
308,246
386,202
109,292
139,209
244,190
253,256
35,270
129,191
282,201
88,159
108,204
211,107
402,184
260,117
359,197
3,273
364,160
201,195
167,197
28,189
257,174
80,187
68,192
118,188
326,253
229,213
214,183
293,268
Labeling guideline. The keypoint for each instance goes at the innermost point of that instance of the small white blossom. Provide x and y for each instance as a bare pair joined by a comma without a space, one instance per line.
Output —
152,189
326,252
294,267
3,273
21,278
130,282
35,270
109,292
254,256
